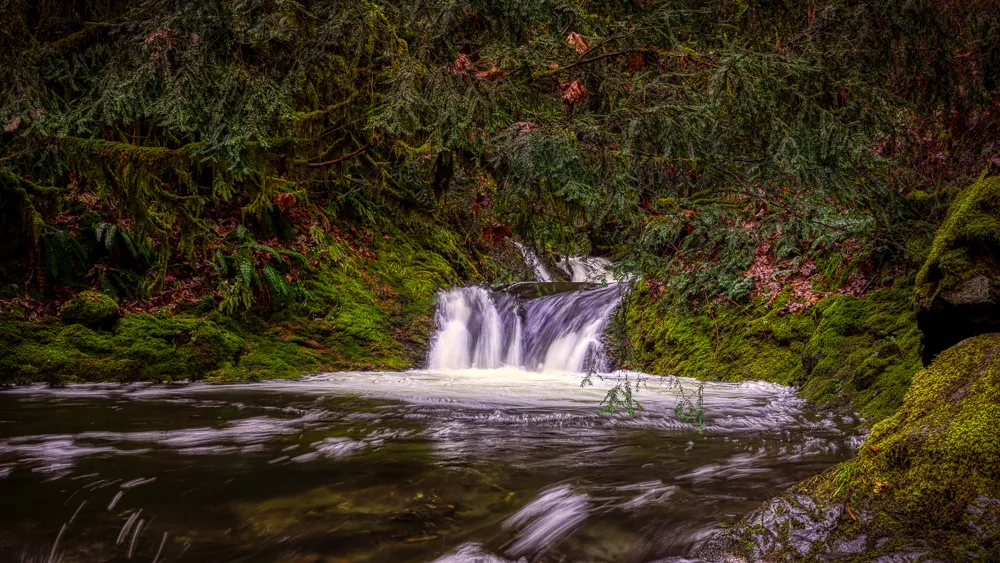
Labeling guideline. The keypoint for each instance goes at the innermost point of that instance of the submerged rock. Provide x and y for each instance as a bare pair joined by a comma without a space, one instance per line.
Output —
533,290
925,486
958,288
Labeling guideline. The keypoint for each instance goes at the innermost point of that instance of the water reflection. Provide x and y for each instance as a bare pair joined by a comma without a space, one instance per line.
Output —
419,466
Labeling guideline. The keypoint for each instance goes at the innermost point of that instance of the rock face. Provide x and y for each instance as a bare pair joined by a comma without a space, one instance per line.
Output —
925,485
91,309
958,288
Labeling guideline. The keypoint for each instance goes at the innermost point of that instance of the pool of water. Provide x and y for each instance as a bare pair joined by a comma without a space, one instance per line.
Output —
465,466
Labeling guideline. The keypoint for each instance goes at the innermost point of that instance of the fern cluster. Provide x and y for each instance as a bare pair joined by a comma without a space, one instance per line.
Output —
669,133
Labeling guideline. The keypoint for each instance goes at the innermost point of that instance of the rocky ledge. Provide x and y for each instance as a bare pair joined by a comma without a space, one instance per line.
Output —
924,487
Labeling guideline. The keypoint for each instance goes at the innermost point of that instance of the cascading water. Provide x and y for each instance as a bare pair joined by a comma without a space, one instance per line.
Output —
577,268
535,263
479,329
587,268
476,329
563,332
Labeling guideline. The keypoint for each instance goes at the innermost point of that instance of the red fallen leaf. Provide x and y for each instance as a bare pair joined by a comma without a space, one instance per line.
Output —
635,63
496,233
525,126
165,33
843,96
578,43
284,200
573,92
491,74
462,64
12,125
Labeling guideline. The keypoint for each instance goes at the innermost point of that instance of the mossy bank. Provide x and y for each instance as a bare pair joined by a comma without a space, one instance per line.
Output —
924,486
843,351
368,311
958,287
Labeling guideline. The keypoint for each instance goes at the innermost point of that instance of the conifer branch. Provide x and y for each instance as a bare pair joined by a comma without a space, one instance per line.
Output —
339,159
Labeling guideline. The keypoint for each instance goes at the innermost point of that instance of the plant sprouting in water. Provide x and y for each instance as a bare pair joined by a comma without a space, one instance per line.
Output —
621,396
690,406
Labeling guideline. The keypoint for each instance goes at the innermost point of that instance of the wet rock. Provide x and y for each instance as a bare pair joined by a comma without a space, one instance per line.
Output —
532,290
849,546
902,558
926,482
958,287
791,525
983,516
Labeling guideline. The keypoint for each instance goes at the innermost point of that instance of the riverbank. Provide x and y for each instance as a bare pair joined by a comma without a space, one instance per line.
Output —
845,352
925,485
349,310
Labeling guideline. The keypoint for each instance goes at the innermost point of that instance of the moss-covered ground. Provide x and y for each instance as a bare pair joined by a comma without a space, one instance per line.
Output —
932,470
352,312
845,350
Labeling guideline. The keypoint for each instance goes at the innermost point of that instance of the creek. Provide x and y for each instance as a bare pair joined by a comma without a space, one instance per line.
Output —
496,452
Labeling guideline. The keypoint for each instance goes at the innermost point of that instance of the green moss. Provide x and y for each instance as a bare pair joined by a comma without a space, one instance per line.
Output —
718,342
845,350
90,308
273,359
142,347
973,221
372,312
932,470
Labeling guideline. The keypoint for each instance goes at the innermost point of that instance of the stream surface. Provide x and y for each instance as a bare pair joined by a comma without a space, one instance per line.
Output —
461,466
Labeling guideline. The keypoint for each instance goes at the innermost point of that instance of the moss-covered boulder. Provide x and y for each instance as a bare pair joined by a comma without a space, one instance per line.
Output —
958,287
926,481
91,309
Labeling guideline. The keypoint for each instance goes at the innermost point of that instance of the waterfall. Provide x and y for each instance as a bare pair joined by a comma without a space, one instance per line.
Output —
587,268
578,268
535,263
480,329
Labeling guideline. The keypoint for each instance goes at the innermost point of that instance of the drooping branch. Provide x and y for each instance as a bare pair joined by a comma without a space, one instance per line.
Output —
351,154
554,71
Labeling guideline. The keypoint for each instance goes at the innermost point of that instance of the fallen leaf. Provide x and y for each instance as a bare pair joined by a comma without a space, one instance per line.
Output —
12,125
573,92
578,43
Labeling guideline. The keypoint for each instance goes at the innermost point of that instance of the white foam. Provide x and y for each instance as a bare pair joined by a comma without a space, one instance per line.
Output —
547,519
